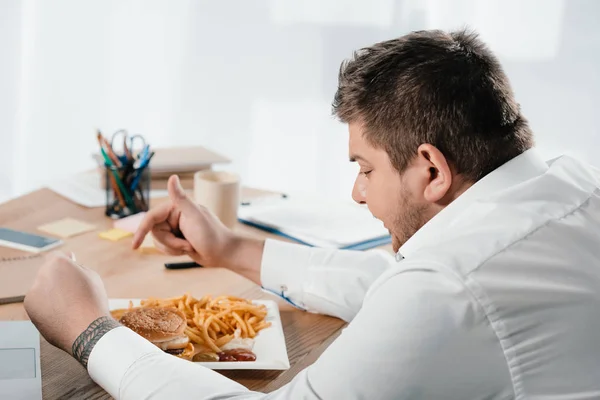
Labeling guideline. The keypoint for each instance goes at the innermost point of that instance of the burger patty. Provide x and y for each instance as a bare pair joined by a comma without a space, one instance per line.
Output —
175,352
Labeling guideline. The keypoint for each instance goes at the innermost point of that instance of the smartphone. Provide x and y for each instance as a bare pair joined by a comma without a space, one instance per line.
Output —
27,241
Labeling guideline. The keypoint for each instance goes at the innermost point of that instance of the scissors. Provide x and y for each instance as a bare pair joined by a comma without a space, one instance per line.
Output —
127,147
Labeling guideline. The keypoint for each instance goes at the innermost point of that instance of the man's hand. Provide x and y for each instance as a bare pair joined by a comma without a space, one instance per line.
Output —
64,301
181,227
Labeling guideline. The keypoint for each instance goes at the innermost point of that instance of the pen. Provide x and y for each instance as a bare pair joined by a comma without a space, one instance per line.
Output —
182,265
11,300
263,198
140,171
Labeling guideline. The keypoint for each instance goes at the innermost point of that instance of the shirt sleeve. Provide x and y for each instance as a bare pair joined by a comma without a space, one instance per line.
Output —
325,281
128,367
418,336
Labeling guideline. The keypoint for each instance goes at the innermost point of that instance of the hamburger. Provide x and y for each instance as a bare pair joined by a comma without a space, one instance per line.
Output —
164,327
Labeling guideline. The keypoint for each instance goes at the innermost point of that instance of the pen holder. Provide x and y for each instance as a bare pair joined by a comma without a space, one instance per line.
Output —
127,192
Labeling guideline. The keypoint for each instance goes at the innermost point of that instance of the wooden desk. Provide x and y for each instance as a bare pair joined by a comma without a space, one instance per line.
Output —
131,274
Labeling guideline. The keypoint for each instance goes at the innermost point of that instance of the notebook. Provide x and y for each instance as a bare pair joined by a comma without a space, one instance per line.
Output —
23,268
317,222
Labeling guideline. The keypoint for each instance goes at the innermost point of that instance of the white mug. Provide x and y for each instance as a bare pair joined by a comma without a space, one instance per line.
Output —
219,191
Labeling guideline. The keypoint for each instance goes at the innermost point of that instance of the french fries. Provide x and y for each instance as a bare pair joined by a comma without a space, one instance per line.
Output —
212,322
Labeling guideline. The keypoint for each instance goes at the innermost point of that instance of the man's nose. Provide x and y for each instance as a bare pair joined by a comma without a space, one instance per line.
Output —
359,192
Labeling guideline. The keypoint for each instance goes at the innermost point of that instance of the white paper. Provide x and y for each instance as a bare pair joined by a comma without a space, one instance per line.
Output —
323,223
84,189
269,344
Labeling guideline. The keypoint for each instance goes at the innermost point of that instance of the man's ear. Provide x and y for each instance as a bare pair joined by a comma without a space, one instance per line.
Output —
440,174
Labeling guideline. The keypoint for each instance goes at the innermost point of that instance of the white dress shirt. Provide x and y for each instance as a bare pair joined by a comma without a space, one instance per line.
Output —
497,297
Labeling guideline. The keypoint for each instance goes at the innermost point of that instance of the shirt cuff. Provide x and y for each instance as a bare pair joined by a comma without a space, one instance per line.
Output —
284,270
114,354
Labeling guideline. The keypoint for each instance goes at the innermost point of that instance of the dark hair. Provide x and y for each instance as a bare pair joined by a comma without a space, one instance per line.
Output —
446,89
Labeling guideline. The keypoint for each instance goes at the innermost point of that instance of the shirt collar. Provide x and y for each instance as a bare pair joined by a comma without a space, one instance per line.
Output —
520,169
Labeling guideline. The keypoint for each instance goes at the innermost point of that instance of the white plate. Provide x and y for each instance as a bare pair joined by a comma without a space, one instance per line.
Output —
269,344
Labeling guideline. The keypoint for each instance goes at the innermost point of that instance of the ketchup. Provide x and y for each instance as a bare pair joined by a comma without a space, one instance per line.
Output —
237,355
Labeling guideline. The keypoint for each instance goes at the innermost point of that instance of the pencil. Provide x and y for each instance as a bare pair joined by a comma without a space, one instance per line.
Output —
115,187
107,148
128,199
126,149
103,150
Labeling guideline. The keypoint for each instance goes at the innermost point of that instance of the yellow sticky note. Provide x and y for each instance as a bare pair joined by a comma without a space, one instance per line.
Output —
114,234
67,227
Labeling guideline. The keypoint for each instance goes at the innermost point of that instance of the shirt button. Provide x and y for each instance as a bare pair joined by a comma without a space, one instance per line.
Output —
399,257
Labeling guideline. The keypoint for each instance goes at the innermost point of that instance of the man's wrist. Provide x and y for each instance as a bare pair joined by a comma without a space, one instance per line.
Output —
244,256
85,342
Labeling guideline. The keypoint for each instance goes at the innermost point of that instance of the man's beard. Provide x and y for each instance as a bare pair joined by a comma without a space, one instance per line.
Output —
409,220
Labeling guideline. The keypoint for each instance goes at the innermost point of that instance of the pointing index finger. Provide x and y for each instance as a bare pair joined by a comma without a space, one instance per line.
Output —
152,218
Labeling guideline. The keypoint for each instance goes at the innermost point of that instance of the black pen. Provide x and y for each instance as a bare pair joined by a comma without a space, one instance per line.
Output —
182,265
11,300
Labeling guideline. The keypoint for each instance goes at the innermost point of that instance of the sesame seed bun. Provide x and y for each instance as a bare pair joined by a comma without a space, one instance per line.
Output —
162,326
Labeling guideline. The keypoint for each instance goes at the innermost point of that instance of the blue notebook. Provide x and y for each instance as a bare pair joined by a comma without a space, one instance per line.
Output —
317,222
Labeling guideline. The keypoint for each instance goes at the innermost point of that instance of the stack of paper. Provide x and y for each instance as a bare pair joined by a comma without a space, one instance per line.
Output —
320,223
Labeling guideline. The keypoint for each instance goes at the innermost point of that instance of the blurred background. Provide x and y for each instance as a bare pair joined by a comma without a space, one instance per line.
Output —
254,80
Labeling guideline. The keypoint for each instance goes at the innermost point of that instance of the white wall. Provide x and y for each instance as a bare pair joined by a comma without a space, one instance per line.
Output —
10,41
254,79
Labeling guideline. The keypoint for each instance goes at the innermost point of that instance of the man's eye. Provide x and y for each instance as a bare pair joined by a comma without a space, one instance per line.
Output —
365,173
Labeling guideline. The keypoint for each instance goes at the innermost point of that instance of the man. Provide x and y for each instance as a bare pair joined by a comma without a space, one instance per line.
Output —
495,290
